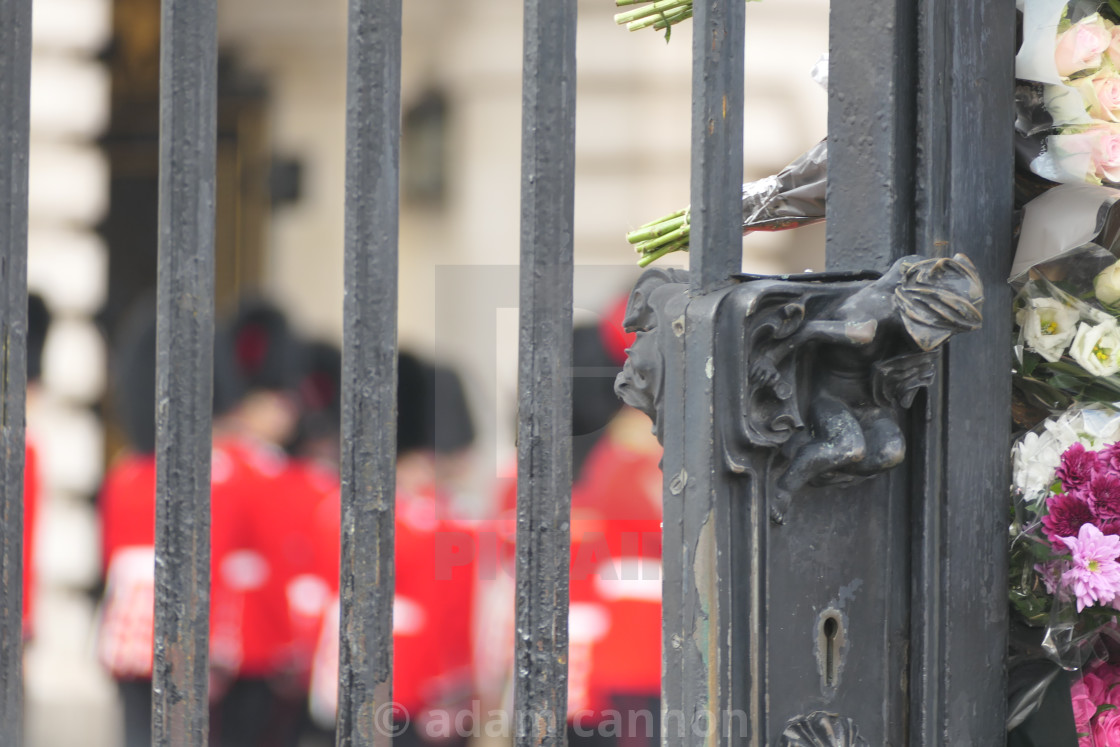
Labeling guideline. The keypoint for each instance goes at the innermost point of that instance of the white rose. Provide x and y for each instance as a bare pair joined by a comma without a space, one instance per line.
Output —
1097,348
1048,326
1107,285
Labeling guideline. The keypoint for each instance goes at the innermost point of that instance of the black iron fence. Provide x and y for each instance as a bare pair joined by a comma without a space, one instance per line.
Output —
920,163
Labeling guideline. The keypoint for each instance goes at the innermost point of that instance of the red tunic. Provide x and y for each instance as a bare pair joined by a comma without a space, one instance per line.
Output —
127,505
244,586
434,572
614,623
31,498
274,564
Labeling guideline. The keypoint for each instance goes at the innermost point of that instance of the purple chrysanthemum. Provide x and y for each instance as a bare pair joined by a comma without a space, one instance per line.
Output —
1077,466
1068,512
1104,496
1108,458
1095,575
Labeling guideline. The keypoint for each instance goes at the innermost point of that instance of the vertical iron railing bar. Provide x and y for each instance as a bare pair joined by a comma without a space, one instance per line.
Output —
717,143
15,101
184,370
928,712
369,399
544,459
870,90
979,53
699,670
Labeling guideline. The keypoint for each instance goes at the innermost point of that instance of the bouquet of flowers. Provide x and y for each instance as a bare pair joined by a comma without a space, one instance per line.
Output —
1064,569
1067,312
1068,97
1065,512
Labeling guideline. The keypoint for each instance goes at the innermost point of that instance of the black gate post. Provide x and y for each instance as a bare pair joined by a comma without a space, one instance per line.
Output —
701,682
835,568
15,100
184,370
963,203
369,375
544,448
920,161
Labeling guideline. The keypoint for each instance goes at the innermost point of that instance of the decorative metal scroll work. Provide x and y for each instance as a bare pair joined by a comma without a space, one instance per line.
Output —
814,371
820,729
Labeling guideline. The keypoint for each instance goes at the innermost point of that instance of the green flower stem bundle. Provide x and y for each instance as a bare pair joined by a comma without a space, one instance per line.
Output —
793,197
660,237
662,14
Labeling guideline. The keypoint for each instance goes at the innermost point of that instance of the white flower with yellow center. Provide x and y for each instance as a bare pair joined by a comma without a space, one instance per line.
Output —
1048,326
1096,348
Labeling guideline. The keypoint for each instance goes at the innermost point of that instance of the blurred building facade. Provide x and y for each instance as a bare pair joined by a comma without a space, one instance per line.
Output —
280,214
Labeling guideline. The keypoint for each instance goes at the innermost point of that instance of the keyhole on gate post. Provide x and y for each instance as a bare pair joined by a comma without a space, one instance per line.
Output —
831,627
830,639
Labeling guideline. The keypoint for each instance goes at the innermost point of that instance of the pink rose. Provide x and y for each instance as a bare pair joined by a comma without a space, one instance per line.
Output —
1093,687
1080,46
1106,730
1089,155
1083,710
1106,157
1113,50
1108,97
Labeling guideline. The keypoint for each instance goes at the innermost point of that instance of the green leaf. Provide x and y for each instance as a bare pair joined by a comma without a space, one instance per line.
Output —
1031,360
1102,708
1066,381
1115,6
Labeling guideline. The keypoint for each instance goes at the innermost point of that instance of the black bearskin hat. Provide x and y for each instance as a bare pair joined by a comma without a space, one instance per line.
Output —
134,376
432,409
254,350
38,320
320,393
453,427
594,402
415,410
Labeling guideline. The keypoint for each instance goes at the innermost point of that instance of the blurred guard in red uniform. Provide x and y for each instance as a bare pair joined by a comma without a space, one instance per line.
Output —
314,459
38,321
614,623
258,369
127,505
432,595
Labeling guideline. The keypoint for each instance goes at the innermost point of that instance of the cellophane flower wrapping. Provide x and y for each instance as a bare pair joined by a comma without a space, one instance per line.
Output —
1067,307
1065,508
1065,565
1068,95
1067,347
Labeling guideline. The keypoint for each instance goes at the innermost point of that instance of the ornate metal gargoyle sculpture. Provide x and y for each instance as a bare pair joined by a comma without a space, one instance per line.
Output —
813,369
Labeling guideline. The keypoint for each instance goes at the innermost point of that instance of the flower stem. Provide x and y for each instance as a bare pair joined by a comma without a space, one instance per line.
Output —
666,21
674,236
662,20
658,7
646,259
670,216
656,229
